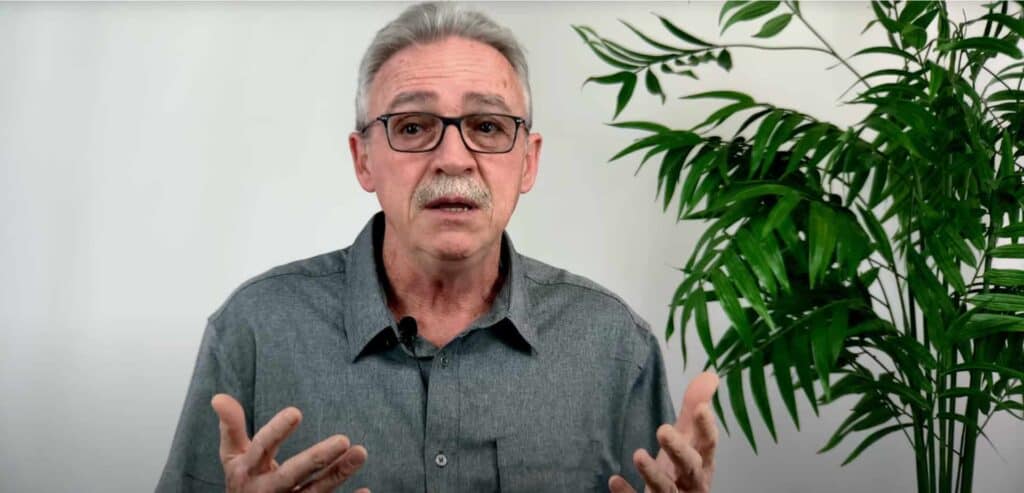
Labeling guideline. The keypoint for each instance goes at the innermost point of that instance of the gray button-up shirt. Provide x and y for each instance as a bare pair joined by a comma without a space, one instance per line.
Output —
551,390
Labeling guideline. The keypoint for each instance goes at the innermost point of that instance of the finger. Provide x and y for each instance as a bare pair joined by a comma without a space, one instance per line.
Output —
312,460
705,437
618,484
270,437
688,463
234,440
700,390
654,477
340,471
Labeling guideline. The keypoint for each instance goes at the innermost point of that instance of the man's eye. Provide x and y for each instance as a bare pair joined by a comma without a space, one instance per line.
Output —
487,127
410,129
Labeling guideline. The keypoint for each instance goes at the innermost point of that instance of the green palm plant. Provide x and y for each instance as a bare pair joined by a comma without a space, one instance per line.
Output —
855,261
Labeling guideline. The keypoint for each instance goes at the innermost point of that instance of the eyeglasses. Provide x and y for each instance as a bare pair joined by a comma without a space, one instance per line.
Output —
487,133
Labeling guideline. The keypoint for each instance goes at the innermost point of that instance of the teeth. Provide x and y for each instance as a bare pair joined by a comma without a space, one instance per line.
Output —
455,208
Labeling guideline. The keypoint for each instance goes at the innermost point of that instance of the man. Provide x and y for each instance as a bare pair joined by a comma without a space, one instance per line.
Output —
431,354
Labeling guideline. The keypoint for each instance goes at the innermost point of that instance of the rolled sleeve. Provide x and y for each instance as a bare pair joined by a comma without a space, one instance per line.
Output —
224,365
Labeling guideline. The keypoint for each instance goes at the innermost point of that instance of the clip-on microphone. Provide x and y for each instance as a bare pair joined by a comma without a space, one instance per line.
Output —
407,334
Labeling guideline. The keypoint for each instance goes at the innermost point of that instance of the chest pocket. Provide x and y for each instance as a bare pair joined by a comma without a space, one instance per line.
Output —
531,464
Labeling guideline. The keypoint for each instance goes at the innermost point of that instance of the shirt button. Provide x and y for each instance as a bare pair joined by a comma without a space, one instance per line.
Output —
444,361
440,459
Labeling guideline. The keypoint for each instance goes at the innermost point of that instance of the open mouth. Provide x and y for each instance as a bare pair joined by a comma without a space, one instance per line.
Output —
452,204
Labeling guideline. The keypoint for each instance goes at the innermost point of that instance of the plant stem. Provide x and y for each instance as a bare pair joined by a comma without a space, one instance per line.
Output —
829,49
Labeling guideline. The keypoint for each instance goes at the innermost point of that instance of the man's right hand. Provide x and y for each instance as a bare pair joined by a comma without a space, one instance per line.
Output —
249,466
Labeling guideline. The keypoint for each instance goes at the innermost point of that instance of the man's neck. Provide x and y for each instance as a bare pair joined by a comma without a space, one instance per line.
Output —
444,296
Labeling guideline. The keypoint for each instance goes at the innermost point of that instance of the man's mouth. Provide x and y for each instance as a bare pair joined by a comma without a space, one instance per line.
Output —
452,204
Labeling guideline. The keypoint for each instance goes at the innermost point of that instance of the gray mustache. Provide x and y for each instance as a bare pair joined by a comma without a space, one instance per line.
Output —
450,185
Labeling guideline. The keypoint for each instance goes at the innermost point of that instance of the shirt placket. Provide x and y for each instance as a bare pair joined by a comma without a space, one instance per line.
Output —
440,453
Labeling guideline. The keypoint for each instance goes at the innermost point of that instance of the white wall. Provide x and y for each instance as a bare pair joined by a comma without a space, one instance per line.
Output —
154,156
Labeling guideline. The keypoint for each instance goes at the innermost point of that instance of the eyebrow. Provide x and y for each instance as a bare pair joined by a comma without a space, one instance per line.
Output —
476,98
487,99
411,97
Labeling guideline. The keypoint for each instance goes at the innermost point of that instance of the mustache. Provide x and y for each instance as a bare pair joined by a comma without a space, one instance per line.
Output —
445,185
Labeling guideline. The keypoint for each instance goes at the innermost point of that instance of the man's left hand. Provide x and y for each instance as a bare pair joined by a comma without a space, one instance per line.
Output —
686,460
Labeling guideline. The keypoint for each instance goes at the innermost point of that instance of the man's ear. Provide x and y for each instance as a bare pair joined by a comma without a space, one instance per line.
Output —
531,162
360,160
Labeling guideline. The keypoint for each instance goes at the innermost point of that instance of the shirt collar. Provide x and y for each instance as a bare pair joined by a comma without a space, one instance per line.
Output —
366,310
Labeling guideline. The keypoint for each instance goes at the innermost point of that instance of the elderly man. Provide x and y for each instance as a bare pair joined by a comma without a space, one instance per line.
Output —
429,355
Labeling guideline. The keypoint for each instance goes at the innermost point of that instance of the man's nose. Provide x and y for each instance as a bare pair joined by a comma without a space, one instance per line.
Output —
451,155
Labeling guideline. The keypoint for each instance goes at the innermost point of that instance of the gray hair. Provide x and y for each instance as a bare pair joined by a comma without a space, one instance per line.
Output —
429,22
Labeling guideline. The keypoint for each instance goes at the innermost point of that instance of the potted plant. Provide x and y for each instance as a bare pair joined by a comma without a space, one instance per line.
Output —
866,260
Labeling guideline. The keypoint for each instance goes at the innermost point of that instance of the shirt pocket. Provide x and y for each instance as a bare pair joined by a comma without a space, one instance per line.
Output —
531,464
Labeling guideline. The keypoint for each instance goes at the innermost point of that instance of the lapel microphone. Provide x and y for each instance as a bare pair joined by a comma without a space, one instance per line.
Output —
407,331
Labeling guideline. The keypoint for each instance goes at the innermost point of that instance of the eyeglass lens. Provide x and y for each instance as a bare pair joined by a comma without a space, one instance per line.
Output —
422,131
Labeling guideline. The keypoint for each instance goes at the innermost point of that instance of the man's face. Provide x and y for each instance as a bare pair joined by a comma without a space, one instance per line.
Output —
452,77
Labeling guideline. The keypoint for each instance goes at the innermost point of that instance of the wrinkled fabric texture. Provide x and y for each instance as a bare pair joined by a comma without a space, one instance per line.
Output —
552,390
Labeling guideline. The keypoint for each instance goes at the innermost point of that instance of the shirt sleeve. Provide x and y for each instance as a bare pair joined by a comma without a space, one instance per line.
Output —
225,364
649,406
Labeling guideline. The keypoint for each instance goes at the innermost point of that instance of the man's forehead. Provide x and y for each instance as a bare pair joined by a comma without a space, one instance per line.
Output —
474,98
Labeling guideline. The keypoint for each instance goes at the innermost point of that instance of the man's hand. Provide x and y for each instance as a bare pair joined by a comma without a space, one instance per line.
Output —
249,466
686,460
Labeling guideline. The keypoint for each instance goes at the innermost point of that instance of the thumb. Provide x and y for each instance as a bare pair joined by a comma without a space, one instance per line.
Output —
700,390
233,437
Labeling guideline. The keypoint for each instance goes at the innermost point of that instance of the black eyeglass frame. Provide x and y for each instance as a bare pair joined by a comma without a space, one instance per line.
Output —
445,121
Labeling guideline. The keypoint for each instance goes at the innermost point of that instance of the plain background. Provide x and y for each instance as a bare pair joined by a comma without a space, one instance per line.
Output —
155,156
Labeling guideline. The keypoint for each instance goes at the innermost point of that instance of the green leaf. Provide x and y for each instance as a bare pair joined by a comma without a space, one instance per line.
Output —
781,362
700,317
746,285
1005,277
683,35
1012,231
653,86
729,5
716,402
822,240
1012,23
871,439
731,305
674,138
885,50
760,391
751,11
806,143
877,234
606,57
734,380
724,60
625,93
780,212
1008,251
999,302
774,26
781,134
751,190
982,43
764,132
986,324
837,332
802,362
671,166
723,113
821,348
754,255
639,125
697,169
733,95
867,403
988,368
650,40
